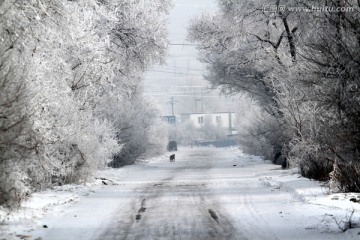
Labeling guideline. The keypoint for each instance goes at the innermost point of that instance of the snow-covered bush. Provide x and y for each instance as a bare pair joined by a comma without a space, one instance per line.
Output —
138,126
158,138
185,133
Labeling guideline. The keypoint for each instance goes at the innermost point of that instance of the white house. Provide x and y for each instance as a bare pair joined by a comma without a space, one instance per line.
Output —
224,120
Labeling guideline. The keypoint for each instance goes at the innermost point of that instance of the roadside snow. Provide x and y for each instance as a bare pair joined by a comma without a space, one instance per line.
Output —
343,208
258,198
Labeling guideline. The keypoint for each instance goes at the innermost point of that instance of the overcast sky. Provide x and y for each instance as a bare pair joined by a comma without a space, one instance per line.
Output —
182,76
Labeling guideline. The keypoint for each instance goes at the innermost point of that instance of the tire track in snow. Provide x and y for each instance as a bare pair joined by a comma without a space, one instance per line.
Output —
179,207
258,219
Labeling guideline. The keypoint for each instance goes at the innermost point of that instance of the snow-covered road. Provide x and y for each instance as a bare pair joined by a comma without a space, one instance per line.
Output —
207,193
176,203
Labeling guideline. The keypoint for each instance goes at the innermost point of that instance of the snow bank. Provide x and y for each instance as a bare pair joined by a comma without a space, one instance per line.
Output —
343,208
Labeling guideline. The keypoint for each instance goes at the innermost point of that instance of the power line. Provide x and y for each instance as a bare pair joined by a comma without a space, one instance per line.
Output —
193,56
182,44
172,102
190,74
174,86
180,95
183,68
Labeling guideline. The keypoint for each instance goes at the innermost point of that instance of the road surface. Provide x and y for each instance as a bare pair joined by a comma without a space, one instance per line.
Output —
207,193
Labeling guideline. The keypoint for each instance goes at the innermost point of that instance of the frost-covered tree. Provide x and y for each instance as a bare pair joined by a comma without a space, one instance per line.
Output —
332,78
55,140
16,135
301,67
59,62
137,40
245,48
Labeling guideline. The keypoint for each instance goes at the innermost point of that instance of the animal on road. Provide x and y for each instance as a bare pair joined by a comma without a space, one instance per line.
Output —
172,158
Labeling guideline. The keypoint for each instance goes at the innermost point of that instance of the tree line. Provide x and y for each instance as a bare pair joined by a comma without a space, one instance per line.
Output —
300,62
70,89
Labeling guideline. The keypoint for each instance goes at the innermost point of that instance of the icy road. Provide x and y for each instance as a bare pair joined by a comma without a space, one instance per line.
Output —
207,193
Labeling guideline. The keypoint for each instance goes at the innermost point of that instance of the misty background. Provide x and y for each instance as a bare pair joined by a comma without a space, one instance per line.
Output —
180,83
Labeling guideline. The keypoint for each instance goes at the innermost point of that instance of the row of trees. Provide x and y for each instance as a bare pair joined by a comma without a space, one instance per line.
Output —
70,89
300,62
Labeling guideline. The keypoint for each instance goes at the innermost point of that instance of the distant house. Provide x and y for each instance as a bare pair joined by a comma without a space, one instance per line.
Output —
169,119
225,120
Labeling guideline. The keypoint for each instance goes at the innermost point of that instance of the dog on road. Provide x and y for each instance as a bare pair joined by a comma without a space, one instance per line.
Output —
172,158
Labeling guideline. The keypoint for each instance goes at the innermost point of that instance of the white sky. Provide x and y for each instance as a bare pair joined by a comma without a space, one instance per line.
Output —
182,76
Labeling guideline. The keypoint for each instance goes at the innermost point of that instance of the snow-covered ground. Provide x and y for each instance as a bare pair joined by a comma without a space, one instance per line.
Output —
207,193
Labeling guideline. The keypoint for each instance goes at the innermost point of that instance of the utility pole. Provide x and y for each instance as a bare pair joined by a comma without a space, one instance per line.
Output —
202,102
197,100
172,102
